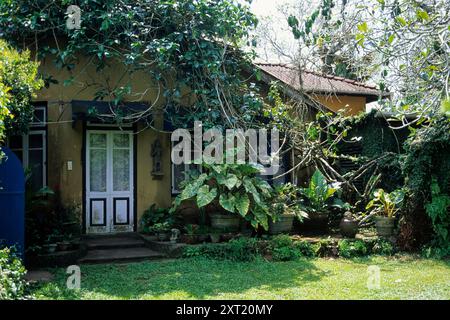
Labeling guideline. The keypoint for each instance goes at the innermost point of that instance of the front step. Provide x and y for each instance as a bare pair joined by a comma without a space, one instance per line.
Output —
120,255
114,243
118,248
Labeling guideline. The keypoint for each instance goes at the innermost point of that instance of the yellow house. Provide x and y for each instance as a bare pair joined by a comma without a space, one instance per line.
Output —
110,172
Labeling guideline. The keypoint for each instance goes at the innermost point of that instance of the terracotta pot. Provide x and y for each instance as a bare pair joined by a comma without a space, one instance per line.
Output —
348,227
282,225
385,226
225,221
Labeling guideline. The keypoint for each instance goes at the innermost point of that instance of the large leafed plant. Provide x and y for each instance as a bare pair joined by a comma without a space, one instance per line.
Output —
231,188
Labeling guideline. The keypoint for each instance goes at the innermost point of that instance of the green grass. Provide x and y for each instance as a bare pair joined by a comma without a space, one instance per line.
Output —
403,277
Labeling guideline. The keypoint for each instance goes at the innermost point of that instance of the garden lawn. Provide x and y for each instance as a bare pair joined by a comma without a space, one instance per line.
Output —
403,277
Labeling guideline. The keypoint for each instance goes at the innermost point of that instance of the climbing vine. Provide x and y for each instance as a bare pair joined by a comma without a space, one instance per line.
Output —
195,44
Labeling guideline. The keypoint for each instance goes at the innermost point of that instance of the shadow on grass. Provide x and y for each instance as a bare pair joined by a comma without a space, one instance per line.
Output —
184,278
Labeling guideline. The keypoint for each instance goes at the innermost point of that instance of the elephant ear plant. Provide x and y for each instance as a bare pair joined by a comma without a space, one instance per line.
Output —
231,188
321,195
384,207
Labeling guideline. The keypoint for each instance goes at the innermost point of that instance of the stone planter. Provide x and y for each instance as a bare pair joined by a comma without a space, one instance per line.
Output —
385,226
282,225
348,227
163,236
225,221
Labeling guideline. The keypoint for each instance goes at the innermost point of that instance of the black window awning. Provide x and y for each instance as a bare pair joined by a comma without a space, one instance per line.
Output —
86,110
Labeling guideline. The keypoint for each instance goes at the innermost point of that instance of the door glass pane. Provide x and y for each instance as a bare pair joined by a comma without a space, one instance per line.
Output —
121,140
97,140
121,169
35,141
97,174
36,165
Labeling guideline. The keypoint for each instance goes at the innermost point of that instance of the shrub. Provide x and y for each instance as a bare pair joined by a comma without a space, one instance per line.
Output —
12,272
383,247
154,216
283,248
349,249
241,249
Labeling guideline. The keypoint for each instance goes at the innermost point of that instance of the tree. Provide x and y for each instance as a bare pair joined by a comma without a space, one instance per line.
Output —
18,83
193,44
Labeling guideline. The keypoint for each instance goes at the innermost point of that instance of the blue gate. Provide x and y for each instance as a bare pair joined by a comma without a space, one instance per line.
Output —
12,201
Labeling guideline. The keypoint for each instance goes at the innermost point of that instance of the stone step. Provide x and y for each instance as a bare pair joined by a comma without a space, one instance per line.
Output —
114,243
120,255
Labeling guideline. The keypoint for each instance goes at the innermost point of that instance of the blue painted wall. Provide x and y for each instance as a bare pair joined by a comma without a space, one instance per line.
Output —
12,201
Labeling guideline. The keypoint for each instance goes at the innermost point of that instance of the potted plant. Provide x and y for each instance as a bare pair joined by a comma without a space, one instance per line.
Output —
348,225
162,230
65,244
285,205
384,207
318,198
230,191
50,245
190,237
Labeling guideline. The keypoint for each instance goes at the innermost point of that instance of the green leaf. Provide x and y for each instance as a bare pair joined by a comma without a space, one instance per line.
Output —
242,204
363,27
204,196
423,15
445,106
231,181
401,20
249,187
227,202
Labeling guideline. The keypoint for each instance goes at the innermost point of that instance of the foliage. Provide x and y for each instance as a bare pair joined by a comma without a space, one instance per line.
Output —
191,229
153,216
160,227
286,200
438,210
182,44
234,188
427,156
18,83
240,249
383,247
350,249
12,273
41,218
386,204
320,195
283,248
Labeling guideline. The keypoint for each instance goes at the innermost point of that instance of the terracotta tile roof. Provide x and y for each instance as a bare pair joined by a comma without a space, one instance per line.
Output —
316,82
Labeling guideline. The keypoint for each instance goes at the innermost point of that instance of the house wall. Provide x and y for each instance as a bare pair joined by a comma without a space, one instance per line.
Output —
352,104
65,142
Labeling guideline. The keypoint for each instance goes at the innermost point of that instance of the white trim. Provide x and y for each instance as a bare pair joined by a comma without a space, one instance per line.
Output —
110,194
26,152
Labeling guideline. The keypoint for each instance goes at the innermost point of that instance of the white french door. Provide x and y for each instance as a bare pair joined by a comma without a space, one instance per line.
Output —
109,181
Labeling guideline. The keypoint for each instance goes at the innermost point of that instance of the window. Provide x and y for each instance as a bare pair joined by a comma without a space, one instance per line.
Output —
179,173
31,149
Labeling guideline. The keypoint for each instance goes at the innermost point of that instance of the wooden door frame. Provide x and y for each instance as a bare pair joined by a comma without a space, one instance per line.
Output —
88,127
